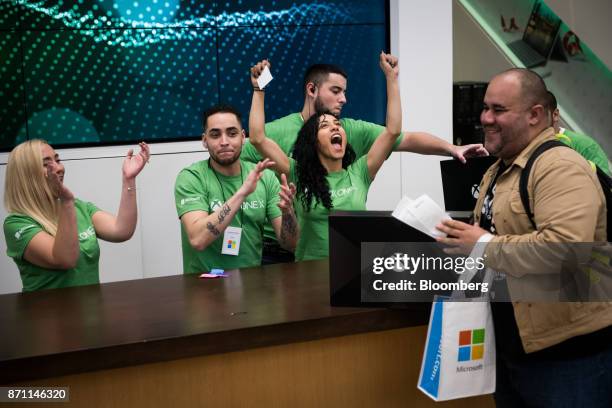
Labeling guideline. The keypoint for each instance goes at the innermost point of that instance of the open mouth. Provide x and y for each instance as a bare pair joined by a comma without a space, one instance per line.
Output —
336,139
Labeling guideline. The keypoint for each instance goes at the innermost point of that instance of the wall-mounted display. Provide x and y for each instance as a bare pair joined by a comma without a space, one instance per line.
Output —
99,72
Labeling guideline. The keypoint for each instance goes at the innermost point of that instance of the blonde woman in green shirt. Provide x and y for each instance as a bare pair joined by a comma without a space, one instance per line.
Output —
50,234
324,165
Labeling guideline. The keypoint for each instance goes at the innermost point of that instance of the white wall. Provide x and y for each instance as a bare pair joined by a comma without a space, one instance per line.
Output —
421,36
475,56
424,44
426,90
590,20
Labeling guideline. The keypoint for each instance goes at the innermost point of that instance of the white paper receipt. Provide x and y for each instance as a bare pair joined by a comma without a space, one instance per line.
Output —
264,78
423,214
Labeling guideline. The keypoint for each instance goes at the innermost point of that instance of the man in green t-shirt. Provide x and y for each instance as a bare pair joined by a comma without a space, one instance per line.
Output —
223,202
583,144
324,88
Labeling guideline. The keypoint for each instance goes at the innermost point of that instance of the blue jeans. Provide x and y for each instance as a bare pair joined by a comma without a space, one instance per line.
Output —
556,382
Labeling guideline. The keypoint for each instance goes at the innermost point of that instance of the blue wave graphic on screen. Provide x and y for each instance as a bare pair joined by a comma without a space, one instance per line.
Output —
116,30
117,71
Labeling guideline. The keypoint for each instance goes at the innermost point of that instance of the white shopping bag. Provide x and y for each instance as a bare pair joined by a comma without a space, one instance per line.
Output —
459,357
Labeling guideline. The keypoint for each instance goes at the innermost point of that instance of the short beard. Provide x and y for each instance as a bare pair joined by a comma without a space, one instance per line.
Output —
318,105
225,162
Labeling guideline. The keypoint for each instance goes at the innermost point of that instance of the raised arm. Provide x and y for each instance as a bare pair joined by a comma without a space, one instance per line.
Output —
121,227
203,228
62,250
383,145
257,134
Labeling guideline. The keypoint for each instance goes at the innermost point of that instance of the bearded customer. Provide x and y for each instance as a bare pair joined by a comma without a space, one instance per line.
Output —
555,354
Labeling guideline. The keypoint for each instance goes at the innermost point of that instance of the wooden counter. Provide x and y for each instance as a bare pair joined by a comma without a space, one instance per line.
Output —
260,337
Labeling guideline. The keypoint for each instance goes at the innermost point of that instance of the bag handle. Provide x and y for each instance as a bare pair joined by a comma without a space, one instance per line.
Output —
467,277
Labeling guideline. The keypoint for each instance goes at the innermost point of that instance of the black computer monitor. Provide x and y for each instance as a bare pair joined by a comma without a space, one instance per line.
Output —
460,183
347,230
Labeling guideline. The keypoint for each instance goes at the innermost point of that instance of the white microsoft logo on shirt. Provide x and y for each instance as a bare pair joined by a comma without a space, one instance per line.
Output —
188,200
21,230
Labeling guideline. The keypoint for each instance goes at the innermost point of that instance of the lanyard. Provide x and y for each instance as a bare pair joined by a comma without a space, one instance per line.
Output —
241,218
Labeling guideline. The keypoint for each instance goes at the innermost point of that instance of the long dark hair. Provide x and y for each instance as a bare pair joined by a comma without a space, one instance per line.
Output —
312,187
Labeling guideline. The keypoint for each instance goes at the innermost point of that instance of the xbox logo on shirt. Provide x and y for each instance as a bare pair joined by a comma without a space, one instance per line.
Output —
215,205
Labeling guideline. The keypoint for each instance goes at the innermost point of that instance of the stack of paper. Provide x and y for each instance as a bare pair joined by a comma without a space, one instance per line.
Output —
422,214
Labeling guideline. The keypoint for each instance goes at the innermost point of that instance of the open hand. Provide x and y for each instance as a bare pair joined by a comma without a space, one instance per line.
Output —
462,153
286,194
133,164
250,184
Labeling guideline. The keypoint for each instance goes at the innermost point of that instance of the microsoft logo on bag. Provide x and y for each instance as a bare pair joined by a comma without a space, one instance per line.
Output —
471,344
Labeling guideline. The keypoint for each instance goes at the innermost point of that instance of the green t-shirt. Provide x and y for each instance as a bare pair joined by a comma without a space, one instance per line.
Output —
349,191
20,229
587,147
199,187
284,131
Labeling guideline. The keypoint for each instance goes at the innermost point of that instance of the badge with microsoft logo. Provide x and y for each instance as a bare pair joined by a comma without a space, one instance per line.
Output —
231,241
459,357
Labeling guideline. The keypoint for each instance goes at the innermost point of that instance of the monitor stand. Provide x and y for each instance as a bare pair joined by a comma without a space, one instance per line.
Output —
558,53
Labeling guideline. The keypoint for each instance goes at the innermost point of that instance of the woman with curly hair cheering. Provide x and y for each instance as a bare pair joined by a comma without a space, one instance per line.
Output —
326,172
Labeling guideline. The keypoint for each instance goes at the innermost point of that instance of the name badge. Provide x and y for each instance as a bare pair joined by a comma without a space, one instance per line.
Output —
231,241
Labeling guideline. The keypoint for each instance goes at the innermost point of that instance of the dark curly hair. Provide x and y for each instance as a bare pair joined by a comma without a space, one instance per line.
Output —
312,186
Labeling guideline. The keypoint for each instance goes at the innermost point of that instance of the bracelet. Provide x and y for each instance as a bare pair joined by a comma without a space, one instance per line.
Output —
257,89
131,188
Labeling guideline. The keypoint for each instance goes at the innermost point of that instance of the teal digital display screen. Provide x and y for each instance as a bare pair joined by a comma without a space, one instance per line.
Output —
86,73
